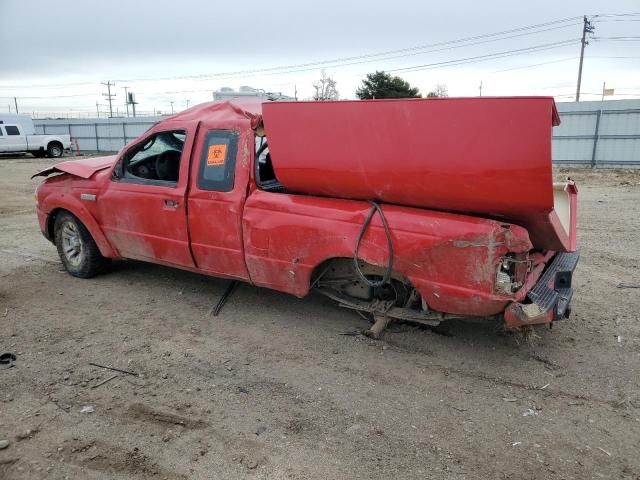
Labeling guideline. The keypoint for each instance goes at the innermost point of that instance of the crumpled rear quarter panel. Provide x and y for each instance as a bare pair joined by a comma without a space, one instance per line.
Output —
451,259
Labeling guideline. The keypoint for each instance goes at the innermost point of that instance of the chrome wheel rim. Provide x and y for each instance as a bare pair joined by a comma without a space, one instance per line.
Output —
56,151
72,246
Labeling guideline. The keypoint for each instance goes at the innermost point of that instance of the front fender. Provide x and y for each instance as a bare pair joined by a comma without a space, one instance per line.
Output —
58,199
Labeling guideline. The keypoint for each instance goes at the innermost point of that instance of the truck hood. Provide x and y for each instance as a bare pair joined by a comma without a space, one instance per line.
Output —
84,168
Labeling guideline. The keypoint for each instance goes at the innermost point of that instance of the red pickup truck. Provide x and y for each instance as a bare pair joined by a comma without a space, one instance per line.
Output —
420,210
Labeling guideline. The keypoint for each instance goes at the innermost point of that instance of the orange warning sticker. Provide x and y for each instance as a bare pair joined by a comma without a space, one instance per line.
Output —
216,155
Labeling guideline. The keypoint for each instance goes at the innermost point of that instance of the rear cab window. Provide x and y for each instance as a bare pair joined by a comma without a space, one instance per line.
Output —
218,161
12,130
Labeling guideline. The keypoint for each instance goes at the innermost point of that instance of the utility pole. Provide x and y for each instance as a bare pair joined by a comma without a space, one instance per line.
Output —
15,100
126,99
188,103
171,102
480,87
97,110
110,96
587,27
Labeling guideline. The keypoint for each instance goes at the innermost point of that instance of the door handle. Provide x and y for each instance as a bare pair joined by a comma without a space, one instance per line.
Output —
171,203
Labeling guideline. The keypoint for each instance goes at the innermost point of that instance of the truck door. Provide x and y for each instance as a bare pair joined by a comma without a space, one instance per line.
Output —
219,177
16,140
142,209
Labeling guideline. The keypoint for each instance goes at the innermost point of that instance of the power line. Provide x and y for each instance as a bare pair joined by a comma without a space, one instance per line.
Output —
619,39
490,56
535,65
339,65
605,15
389,54
459,61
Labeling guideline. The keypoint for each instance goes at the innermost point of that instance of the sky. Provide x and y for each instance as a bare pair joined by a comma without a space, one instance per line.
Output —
180,52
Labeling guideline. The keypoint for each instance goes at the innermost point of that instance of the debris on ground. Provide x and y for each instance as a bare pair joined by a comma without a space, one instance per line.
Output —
4,444
603,450
105,381
87,409
26,434
114,369
7,360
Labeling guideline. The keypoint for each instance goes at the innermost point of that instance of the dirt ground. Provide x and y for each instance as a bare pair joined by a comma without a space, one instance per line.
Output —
272,388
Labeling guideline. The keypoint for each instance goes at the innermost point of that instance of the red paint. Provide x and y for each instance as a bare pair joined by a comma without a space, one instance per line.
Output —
80,168
483,156
276,240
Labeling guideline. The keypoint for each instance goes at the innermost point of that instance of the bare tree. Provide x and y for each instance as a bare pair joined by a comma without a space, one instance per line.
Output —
325,88
439,91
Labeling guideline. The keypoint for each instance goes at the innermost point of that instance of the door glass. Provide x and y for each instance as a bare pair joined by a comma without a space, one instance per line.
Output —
157,159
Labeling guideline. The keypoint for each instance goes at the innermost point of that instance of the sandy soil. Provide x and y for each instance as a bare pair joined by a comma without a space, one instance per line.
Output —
273,389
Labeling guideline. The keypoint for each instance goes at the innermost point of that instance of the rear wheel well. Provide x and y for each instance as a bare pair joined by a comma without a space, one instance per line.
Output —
331,264
340,274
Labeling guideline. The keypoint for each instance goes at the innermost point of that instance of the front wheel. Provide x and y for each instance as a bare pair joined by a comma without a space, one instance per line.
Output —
77,249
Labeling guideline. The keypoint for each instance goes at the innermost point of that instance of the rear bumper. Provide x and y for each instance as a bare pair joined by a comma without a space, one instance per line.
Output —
550,298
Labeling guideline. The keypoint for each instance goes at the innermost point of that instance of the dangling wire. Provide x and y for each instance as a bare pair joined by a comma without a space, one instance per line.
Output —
387,276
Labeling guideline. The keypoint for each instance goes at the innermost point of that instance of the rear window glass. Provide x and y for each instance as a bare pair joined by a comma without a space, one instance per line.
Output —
217,165
12,130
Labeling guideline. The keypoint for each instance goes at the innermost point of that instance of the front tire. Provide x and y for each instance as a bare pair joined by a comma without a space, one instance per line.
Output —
78,251
55,150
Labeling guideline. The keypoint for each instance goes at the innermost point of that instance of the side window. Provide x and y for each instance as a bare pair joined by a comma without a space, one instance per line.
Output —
217,165
12,130
1,132
157,159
